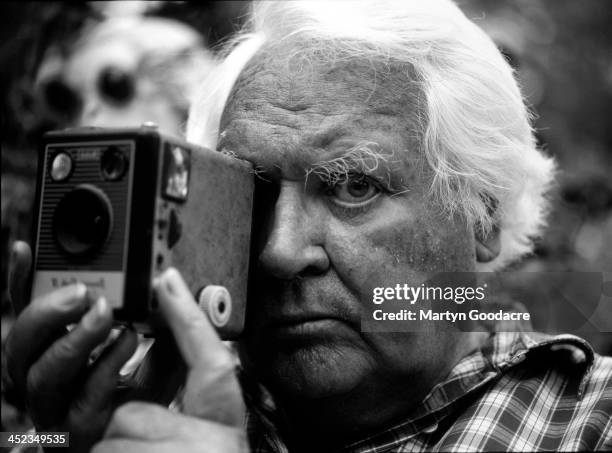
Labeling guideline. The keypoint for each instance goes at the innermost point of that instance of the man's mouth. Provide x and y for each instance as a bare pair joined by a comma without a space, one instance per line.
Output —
295,328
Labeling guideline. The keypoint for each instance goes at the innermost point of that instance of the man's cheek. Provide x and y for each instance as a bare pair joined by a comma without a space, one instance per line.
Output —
373,260
407,247
423,244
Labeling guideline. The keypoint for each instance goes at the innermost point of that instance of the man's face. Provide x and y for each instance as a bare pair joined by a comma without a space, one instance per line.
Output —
332,231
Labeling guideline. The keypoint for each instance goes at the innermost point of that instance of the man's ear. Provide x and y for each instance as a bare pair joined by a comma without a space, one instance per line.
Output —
488,246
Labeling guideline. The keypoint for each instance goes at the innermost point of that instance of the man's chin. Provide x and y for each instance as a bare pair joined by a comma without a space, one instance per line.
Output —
317,371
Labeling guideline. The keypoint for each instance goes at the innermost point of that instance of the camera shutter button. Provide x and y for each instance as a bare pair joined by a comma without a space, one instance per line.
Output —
175,229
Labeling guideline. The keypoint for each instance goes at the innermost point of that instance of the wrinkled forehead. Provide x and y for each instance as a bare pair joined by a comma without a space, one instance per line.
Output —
321,82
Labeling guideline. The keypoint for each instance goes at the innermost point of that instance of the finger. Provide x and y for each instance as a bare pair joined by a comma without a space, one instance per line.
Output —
99,388
94,402
212,390
195,337
214,394
18,277
52,379
41,323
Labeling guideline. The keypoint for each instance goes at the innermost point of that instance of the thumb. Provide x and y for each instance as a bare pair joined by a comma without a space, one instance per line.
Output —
212,391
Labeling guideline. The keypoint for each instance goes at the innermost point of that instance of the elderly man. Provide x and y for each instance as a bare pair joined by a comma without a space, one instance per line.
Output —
392,145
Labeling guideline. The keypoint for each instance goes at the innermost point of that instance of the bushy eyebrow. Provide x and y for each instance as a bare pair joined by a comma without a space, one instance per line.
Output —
364,158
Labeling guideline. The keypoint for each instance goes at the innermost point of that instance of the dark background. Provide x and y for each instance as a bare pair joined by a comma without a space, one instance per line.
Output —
561,49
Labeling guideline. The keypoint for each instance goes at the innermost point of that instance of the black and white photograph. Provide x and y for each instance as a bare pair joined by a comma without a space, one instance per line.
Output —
306,226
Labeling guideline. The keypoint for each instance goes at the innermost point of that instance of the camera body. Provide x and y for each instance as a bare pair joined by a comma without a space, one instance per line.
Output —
115,207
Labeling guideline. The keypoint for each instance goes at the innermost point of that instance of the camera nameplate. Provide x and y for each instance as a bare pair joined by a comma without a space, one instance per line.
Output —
107,284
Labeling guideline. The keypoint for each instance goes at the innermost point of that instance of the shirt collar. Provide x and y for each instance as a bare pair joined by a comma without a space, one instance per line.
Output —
501,352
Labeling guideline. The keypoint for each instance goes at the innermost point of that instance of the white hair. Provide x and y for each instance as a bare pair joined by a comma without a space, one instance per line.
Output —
475,129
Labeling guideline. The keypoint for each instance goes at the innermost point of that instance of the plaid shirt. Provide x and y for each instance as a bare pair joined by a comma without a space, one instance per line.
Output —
520,392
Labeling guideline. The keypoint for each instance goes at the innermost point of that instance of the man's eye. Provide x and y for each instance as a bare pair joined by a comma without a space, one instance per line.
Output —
354,190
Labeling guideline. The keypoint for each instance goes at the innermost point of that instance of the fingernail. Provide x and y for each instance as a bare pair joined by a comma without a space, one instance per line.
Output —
173,282
96,313
80,289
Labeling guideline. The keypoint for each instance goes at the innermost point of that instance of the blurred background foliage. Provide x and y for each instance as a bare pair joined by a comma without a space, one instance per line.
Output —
561,50
562,53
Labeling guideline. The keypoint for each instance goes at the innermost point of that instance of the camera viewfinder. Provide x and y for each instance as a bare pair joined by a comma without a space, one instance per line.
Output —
113,164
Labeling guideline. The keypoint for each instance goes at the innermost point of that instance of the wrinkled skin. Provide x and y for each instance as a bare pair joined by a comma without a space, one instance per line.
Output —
323,247
320,248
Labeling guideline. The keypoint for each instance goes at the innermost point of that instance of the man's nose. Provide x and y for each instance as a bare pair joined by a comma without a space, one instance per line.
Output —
294,244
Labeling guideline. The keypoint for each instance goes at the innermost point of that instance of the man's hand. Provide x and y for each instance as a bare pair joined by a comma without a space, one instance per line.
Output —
144,428
48,366
212,417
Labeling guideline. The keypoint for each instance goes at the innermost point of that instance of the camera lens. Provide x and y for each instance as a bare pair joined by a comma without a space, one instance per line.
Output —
83,220
113,163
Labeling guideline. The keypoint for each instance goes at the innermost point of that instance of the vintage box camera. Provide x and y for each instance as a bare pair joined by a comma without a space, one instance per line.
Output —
115,207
